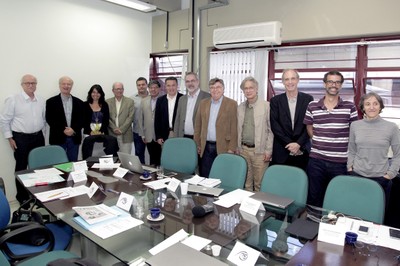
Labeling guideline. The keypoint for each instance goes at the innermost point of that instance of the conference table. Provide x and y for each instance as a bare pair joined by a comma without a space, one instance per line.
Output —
264,232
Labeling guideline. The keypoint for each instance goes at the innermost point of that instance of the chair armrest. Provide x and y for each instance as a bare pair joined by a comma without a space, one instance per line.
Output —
24,229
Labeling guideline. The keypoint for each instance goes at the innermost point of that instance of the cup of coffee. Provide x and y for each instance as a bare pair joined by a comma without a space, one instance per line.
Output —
155,212
351,238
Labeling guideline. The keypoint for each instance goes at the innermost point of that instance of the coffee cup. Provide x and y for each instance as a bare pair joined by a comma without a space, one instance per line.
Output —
155,212
351,238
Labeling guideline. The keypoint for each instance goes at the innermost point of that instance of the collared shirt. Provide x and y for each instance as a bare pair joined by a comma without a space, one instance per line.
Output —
23,114
153,102
292,101
67,104
214,110
117,107
248,127
171,106
191,102
331,129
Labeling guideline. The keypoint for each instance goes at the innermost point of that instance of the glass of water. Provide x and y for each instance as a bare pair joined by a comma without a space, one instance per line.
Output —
160,172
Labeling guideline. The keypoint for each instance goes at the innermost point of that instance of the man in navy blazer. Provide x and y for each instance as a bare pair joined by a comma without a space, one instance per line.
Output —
166,106
291,141
64,116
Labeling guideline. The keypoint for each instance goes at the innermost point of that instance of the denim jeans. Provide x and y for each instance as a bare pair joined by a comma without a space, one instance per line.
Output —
320,172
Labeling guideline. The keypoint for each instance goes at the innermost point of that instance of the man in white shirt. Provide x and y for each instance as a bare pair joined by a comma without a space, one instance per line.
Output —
164,117
187,107
22,122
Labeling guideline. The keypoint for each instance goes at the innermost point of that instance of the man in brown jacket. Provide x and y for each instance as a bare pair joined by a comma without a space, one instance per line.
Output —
216,126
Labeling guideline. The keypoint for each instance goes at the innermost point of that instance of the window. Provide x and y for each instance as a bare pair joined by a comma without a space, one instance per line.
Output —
167,65
234,66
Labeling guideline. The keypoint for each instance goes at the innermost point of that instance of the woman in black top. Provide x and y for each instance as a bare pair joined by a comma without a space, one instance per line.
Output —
96,119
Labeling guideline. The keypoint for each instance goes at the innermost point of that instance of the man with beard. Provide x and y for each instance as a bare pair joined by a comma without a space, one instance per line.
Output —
187,107
328,125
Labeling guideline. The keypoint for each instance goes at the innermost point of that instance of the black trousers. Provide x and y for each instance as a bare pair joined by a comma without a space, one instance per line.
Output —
154,150
110,145
25,143
209,155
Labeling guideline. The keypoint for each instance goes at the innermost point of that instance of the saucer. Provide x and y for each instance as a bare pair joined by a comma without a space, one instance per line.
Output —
159,218
144,178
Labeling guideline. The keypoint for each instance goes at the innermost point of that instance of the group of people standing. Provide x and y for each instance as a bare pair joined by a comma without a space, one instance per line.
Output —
322,137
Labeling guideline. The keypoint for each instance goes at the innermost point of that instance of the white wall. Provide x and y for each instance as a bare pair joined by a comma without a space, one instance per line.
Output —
91,41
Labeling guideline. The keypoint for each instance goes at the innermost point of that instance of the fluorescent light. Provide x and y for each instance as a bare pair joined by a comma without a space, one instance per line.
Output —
135,4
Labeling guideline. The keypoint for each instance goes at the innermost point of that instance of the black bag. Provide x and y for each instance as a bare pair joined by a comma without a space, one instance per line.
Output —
24,217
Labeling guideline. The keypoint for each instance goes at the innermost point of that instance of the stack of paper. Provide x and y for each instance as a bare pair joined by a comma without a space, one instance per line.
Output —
118,220
202,181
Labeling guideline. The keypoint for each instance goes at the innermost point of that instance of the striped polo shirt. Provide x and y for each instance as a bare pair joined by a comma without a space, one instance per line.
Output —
330,129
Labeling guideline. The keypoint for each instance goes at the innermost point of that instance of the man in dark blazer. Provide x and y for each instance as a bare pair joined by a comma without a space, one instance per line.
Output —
165,113
187,107
291,141
64,116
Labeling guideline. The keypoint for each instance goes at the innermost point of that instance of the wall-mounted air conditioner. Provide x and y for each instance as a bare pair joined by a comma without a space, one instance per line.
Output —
249,35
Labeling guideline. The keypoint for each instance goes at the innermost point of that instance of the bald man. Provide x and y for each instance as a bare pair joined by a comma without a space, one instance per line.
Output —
64,116
22,123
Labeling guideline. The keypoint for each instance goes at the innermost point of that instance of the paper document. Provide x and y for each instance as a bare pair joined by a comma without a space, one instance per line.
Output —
95,214
48,171
232,198
175,238
98,166
37,179
158,184
51,195
115,226
202,181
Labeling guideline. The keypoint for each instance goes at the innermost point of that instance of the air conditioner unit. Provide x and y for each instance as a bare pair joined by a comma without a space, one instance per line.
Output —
249,35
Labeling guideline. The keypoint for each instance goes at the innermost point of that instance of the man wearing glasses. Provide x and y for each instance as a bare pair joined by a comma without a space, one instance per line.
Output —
22,122
328,125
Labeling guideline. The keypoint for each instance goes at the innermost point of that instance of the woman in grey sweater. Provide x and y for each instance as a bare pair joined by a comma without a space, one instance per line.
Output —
369,142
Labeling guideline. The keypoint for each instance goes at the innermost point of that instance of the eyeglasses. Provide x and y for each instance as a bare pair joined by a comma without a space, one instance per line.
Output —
331,82
29,83
118,89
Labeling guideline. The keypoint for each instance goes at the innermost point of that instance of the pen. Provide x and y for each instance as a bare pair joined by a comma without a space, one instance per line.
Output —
54,195
112,190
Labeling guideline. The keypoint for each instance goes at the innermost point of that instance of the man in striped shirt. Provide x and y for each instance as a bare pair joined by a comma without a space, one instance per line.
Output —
328,125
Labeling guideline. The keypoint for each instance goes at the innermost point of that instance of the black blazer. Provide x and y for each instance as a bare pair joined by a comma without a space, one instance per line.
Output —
88,112
161,121
281,125
55,117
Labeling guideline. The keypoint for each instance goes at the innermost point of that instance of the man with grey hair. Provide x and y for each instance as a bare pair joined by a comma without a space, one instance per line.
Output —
291,141
22,123
187,107
121,117
215,129
64,116
254,133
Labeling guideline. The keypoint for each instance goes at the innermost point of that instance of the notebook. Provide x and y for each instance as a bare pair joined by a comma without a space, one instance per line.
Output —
272,199
132,163
214,191
181,255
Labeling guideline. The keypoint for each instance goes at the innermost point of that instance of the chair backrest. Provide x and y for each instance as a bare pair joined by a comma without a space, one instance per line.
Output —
46,155
356,196
4,210
286,181
231,169
179,154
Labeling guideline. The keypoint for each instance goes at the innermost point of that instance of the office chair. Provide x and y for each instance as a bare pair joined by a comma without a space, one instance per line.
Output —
286,181
54,236
180,155
356,196
39,260
46,155
231,169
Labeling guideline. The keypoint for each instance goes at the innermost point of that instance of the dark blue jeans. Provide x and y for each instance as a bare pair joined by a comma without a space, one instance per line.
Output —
140,147
320,172
386,185
71,149
209,155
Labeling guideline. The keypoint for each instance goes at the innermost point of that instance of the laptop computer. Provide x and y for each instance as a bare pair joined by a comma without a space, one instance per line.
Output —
132,163
214,191
272,199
